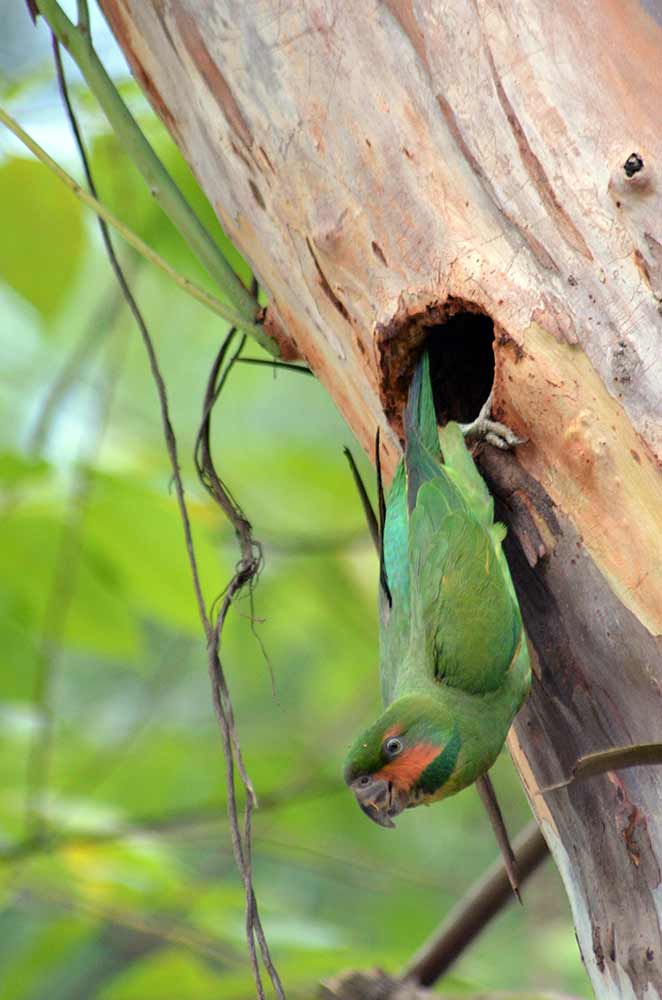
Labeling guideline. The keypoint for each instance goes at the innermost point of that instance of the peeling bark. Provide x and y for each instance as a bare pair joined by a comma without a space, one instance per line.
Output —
384,165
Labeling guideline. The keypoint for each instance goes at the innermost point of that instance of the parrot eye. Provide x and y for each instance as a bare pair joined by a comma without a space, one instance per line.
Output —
392,746
364,780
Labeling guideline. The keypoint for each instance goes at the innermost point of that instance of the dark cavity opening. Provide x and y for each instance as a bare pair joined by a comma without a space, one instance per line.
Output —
461,365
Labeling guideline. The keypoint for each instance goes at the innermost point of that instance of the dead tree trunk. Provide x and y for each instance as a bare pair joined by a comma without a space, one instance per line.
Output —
387,165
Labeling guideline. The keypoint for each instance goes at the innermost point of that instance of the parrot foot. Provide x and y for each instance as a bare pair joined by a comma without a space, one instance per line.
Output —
484,428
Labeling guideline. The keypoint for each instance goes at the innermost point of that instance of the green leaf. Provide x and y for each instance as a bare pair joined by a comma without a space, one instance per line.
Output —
42,258
16,470
96,616
136,534
169,975
28,959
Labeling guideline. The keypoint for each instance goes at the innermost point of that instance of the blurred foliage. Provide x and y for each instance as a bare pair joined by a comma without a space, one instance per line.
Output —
30,267
130,893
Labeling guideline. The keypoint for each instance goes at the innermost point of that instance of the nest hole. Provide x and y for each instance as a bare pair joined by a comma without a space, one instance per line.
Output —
461,354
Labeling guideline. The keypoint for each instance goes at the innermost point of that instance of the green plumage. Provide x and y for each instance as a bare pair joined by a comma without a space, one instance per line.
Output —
453,654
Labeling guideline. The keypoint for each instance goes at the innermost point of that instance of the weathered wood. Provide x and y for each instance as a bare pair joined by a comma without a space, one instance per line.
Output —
377,985
598,673
386,165
373,985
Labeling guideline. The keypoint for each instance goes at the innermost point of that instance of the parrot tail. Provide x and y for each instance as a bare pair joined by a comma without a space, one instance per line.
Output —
420,417
422,450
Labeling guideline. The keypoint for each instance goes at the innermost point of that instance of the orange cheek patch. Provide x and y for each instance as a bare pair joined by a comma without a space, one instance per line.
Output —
405,770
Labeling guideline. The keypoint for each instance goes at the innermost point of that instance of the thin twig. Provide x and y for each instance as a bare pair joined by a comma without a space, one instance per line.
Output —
483,901
275,365
251,555
306,545
247,568
83,15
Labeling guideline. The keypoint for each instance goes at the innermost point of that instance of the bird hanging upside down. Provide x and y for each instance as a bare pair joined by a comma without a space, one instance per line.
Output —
453,655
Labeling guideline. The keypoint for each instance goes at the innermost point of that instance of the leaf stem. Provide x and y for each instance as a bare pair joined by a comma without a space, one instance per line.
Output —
83,16
226,312
77,42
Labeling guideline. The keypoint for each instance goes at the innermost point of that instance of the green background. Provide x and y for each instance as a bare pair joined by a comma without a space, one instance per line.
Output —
131,891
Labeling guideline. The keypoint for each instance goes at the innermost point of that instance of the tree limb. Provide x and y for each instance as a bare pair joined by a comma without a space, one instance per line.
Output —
483,901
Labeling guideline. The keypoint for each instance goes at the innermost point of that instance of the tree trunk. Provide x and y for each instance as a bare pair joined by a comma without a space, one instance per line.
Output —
387,166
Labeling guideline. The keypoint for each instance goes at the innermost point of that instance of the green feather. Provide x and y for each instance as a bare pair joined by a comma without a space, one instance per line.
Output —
452,646
439,771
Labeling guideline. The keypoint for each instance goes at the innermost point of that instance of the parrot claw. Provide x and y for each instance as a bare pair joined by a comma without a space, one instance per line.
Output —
485,429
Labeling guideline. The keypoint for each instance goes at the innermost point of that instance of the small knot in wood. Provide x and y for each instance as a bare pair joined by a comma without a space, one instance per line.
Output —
633,164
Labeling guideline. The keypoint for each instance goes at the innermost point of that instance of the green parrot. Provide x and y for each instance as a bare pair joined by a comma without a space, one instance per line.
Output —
453,654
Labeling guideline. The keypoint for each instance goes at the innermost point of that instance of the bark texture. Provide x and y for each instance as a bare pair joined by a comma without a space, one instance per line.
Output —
385,165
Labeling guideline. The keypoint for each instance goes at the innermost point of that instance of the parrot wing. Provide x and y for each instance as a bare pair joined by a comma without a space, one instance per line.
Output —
449,608
466,623
461,470
395,614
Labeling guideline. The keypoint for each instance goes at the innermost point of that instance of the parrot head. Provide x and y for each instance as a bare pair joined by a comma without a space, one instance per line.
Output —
405,759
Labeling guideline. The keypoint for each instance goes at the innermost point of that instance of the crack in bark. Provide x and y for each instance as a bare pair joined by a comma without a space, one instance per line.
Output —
211,74
379,253
326,287
597,948
403,12
535,169
543,256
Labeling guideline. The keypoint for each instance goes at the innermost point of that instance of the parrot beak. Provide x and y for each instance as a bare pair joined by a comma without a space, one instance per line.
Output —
379,799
